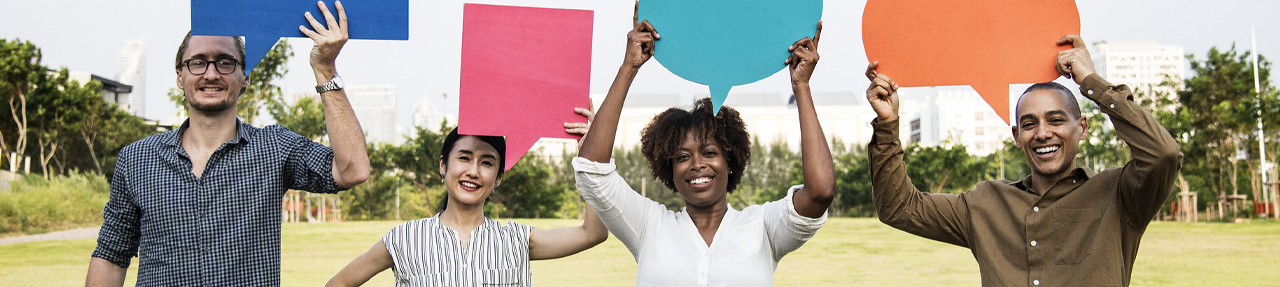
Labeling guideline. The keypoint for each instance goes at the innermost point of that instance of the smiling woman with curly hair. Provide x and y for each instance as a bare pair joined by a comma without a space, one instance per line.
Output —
702,155
661,140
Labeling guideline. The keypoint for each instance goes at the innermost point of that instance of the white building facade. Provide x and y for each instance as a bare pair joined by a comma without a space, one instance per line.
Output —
131,69
375,106
958,116
1143,65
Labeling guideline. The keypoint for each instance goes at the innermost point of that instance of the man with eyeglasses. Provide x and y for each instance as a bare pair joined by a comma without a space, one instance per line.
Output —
201,205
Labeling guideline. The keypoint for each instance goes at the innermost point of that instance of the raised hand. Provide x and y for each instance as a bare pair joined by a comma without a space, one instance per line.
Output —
580,129
639,41
882,94
804,57
329,37
1074,63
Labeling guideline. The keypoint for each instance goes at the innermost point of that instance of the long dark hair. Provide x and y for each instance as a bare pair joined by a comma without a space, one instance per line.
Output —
498,143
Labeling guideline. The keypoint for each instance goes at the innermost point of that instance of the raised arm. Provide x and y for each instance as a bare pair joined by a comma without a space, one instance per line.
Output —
350,159
941,217
565,241
598,146
819,173
1147,179
364,267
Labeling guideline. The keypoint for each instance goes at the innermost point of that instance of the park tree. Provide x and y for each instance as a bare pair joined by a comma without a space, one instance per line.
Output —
304,117
943,168
20,73
1217,120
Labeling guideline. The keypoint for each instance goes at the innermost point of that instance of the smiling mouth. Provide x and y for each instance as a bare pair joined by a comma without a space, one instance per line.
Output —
469,185
211,89
1047,150
700,180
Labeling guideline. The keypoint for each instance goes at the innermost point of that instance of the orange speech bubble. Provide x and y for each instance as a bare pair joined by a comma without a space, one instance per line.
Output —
987,44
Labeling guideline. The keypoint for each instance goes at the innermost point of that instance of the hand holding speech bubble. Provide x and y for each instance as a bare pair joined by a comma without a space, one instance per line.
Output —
524,70
726,43
263,22
984,44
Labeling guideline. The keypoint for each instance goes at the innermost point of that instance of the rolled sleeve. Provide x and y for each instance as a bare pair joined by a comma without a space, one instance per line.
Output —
308,165
118,237
787,228
624,212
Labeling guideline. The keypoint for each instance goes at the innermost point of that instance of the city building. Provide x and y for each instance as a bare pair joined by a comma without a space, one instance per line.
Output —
957,116
1143,65
112,91
131,69
375,106
427,114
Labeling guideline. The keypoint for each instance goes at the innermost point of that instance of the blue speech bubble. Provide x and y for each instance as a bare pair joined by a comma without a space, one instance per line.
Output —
726,43
263,22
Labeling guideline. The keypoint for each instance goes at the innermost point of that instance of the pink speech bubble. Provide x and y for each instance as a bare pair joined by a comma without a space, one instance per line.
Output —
986,44
523,71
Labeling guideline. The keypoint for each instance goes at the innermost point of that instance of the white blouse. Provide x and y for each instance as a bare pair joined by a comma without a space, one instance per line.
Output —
426,253
670,251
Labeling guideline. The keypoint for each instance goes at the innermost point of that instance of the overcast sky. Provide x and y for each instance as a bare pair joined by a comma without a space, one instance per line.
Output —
86,36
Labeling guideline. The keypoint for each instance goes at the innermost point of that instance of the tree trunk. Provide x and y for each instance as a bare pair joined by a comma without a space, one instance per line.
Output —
20,121
88,141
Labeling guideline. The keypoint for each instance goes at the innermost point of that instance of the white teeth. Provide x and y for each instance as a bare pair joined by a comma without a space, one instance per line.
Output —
210,89
700,180
469,184
1048,149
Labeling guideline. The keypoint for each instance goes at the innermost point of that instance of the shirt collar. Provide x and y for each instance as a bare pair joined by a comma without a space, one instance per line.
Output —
1080,173
242,133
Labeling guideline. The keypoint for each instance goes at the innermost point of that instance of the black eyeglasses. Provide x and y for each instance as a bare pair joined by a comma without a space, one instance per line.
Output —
199,67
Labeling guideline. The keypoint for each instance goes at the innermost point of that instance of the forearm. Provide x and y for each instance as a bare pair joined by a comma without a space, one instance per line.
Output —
598,145
364,267
104,273
350,158
1147,179
899,204
819,171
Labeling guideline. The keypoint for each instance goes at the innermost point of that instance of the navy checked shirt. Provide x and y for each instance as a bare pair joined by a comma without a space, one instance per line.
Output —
220,229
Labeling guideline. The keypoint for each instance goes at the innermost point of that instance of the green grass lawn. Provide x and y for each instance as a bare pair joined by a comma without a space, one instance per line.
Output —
846,252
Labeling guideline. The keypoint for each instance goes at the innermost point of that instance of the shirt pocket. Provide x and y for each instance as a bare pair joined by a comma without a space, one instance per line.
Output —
1075,230
501,277
426,280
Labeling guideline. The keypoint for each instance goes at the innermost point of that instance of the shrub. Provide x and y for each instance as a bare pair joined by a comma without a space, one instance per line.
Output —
36,205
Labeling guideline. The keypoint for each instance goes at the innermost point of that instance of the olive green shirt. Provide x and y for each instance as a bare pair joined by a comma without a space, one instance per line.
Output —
1084,231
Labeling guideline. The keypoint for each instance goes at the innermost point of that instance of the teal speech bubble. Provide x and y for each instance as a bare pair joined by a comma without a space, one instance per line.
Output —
726,43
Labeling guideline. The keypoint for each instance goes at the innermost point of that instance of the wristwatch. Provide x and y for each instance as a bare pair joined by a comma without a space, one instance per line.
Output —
333,84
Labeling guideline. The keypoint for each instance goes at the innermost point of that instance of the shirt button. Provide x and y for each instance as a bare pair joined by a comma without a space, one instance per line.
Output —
1113,106
1033,243
1037,208
1090,92
1036,282
1073,181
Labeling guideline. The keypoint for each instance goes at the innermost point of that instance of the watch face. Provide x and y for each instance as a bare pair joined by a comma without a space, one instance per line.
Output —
337,82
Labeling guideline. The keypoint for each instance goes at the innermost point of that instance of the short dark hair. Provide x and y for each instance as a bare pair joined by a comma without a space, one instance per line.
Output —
1073,107
660,140
498,143
182,51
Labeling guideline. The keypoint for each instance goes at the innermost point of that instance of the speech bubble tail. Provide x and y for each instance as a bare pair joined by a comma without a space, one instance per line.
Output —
997,97
718,95
256,48
517,147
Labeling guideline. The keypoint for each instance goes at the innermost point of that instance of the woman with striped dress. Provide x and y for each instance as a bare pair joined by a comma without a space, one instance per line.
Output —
460,246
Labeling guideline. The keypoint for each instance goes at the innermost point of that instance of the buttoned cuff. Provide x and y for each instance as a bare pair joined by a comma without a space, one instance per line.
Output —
884,133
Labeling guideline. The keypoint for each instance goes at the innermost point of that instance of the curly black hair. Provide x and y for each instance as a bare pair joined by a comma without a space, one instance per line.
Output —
663,136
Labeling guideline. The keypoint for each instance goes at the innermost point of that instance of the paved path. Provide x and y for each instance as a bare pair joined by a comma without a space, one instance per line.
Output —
79,233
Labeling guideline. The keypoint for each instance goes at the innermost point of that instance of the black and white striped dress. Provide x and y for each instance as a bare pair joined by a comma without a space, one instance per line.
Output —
426,253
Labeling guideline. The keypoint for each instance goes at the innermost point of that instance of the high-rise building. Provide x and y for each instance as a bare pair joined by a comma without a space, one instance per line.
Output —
958,117
1143,65
131,69
427,115
375,107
